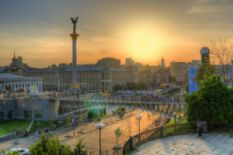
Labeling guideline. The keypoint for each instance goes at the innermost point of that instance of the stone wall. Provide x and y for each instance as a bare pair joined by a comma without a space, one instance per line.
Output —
29,108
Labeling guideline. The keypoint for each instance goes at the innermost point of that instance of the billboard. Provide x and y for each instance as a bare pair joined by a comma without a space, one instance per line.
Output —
192,83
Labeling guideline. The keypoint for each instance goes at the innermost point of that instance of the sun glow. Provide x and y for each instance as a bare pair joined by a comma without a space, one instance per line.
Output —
143,43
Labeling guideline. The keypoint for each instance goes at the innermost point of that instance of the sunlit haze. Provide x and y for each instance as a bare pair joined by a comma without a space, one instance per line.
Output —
116,77
143,30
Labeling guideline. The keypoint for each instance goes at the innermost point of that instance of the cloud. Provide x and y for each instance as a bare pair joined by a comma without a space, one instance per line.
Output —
205,9
210,6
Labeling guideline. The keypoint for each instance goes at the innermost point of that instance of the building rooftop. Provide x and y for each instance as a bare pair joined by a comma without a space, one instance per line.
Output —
7,77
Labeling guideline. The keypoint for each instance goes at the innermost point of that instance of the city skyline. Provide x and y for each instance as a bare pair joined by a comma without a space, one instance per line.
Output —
162,62
145,31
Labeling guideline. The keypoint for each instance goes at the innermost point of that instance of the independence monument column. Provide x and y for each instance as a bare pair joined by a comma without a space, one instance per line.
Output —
74,37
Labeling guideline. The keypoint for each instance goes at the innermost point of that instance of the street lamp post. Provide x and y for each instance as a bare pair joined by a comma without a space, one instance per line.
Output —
139,117
99,126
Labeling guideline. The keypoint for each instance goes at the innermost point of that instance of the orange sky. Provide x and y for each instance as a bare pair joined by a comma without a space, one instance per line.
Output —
145,31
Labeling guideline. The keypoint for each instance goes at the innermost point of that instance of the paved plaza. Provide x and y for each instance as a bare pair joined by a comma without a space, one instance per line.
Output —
89,134
209,144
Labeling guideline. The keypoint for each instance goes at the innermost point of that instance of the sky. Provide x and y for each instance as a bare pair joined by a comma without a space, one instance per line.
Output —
145,30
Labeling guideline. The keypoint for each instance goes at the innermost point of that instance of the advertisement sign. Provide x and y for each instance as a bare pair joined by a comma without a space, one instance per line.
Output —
192,83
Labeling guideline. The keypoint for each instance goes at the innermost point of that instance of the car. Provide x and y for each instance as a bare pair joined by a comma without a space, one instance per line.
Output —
21,151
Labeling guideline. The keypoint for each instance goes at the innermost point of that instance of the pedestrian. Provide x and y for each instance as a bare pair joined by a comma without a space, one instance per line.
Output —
199,128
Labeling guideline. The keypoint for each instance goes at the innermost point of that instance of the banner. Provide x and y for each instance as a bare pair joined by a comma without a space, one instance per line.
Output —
192,83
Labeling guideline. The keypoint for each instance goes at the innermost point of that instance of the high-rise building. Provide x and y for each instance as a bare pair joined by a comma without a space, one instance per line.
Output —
205,55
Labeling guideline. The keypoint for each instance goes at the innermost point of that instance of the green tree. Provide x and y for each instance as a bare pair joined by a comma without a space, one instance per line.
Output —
104,111
68,120
130,86
204,71
49,145
213,102
117,87
173,79
80,148
10,153
121,112
118,132
91,114
187,87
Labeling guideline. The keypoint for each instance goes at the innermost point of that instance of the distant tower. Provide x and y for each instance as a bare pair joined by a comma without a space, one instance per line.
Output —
74,37
162,63
14,57
205,55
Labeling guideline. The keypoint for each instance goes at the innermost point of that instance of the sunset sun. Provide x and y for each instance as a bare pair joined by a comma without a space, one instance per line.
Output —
143,43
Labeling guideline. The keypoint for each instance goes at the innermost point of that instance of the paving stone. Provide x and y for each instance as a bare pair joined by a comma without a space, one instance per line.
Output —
209,144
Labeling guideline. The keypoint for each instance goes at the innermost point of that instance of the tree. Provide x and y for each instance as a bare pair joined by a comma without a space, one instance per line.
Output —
121,112
80,148
104,111
118,132
90,114
130,86
117,87
222,51
187,87
10,153
205,71
49,145
68,120
213,102
173,79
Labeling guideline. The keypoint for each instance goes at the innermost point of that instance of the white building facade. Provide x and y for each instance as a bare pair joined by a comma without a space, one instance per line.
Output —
11,83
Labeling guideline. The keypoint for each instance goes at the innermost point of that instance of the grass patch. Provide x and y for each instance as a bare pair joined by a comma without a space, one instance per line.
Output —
171,122
13,125
42,125
182,126
183,120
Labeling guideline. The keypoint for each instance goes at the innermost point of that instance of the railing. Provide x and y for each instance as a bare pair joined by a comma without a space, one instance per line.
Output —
156,133
120,101
84,97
